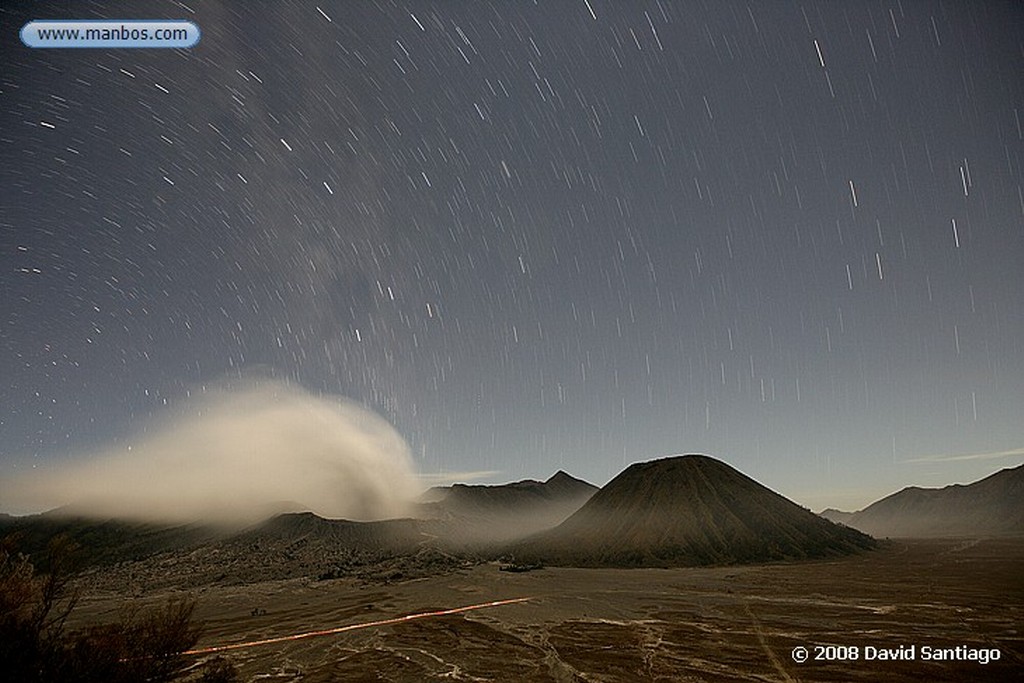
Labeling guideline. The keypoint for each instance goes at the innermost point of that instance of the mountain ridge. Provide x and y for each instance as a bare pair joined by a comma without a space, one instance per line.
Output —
489,515
992,505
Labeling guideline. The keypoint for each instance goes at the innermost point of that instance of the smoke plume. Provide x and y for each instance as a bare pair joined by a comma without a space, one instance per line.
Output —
237,455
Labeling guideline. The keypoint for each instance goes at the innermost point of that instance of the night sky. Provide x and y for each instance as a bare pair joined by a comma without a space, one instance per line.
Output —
532,236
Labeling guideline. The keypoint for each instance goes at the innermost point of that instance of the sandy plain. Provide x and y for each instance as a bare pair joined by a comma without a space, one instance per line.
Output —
693,624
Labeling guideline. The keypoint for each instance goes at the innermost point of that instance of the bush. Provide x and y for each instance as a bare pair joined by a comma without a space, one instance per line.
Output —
218,670
36,646
33,610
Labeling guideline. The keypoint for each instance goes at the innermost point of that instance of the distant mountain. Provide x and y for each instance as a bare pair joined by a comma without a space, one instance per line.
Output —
556,490
687,510
993,506
837,516
288,546
461,521
496,514
305,528
101,541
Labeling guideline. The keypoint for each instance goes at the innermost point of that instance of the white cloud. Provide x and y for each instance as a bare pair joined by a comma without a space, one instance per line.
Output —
992,455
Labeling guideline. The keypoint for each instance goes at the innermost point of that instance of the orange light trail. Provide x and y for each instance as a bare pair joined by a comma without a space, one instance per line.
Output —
353,627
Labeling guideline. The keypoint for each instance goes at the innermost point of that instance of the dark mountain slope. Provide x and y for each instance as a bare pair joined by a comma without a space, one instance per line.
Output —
101,541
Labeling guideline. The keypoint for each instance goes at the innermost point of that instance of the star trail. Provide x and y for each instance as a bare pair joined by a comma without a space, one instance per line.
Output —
564,235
